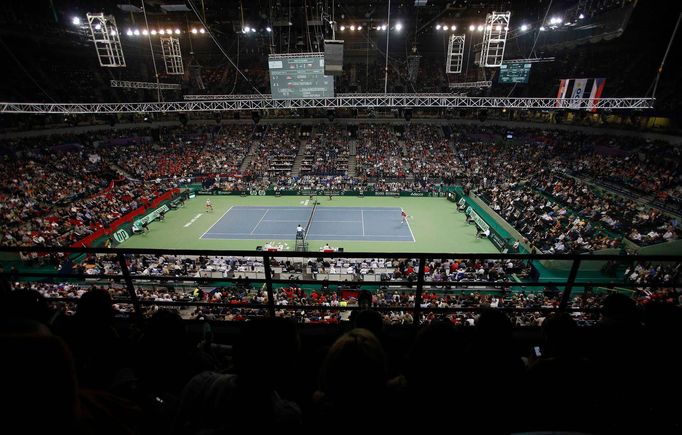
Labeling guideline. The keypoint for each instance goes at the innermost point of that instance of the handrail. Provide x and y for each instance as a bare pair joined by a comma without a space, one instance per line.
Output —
419,286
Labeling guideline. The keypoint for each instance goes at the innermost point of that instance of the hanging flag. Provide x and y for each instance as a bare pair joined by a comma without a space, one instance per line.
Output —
578,92
597,89
563,86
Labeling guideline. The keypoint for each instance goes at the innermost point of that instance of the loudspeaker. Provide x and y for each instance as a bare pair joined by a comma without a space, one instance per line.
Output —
333,57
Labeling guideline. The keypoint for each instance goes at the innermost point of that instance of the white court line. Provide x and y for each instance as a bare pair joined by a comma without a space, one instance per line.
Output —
331,235
362,213
214,224
274,207
410,228
336,222
354,235
314,221
193,220
249,234
261,220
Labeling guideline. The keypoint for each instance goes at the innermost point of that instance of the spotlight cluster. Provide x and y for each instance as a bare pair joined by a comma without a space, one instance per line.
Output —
163,32
378,27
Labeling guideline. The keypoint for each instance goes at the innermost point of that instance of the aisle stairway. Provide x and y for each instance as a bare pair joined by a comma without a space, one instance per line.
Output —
352,159
296,168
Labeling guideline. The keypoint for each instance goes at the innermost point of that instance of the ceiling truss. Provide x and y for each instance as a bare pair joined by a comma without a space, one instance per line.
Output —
354,101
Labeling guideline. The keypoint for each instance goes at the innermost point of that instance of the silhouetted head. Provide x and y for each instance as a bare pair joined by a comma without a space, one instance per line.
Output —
370,320
494,325
26,304
39,390
559,331
619,310
354,370
95,307
267,350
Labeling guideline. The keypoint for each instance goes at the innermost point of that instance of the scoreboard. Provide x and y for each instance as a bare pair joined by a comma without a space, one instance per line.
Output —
299,76
514,73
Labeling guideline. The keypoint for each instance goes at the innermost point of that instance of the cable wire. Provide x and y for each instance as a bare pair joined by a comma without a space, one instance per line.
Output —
208,31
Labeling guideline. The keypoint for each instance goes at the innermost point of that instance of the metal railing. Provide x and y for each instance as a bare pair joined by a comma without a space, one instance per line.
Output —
266,257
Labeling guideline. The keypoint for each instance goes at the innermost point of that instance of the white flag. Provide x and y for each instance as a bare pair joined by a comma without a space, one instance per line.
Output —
578,91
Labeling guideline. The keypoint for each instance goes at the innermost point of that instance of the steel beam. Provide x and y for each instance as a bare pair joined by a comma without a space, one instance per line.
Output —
445,101
143,85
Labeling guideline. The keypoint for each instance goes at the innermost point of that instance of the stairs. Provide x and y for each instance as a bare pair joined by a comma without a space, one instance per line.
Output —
249,156
352,159
296,168
123,172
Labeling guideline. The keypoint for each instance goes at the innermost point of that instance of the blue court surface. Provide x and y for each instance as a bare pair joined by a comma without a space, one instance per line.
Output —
371,224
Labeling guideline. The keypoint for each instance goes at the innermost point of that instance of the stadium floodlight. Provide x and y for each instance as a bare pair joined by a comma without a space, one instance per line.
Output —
498,28
524,27
153,32
383,27
169,31
472,28
542,28
438,27
129,32
268,29
246,29
453,28
253,30
342,28
479,28
398,27
177,31
559,20
359,28
352,28
202,30
98,27
581,16
113,33
136,32
145,32
162,32
76,21
195,31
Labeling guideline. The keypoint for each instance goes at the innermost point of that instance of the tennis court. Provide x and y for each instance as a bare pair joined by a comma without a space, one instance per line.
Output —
371,224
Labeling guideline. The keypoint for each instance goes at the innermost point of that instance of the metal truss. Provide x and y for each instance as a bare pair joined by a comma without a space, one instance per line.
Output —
226,97
494,39
444,101
172,55
143,85
294,55
106,37
455,54
463,85
530,60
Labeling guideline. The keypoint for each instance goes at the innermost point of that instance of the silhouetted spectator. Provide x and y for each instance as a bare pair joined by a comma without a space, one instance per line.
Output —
265,357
